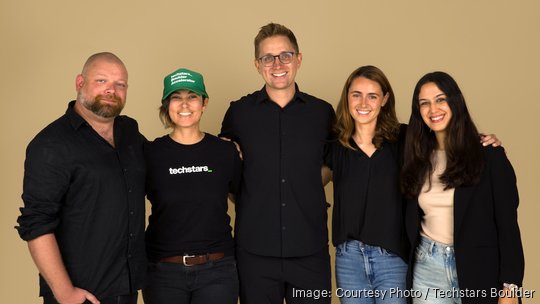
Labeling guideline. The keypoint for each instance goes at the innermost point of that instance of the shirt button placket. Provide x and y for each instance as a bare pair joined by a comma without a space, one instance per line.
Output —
283,169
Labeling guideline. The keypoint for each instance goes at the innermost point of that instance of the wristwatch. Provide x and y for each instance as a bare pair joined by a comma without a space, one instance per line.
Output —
511,287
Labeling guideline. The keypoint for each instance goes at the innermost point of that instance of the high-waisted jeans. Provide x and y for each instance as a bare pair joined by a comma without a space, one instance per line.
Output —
434,273
368,274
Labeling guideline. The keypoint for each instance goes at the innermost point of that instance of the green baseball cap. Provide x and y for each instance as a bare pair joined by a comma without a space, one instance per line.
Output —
183,79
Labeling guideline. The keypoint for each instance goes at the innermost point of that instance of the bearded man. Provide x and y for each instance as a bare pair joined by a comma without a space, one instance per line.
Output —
83,193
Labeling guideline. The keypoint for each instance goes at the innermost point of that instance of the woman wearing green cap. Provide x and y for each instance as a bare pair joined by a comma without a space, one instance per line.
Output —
189,176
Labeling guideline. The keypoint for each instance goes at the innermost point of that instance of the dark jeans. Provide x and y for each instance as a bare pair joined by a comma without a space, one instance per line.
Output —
126,299
298,280
213,282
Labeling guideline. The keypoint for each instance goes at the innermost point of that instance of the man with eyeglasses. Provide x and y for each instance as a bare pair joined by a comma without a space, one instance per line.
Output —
281,219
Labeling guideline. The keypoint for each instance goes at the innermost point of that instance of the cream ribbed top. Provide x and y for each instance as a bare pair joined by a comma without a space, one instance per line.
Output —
438,205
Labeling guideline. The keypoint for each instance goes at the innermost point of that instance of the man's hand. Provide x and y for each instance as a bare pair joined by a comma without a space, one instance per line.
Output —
489,139
76,295
237,146
46,254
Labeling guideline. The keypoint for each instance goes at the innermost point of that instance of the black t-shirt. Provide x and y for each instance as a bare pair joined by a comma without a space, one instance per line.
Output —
188,187
368,205
281,209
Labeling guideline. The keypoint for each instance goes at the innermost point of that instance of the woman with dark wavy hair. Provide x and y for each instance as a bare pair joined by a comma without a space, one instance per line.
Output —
461,213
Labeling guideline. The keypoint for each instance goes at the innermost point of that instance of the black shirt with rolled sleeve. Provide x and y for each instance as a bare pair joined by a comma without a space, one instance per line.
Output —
368,205
281,209
188,187
90,195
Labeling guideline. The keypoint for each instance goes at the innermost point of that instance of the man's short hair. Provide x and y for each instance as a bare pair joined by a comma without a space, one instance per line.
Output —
271,30
107,56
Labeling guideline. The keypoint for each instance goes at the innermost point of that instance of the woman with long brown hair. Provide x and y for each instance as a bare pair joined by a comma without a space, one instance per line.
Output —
367,224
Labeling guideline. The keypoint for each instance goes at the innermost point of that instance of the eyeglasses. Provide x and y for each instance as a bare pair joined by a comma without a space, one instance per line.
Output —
284,57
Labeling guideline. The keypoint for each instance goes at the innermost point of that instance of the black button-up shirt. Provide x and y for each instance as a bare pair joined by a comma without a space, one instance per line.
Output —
368,206
91,196
281,208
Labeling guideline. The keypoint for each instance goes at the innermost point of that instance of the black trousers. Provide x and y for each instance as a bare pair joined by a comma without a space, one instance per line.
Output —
124,299
298,280
215,282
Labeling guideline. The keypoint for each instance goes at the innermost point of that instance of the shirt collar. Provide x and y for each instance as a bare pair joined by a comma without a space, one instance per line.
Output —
263,95
74,118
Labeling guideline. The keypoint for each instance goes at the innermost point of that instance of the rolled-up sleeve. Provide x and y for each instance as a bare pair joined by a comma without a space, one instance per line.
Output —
46,180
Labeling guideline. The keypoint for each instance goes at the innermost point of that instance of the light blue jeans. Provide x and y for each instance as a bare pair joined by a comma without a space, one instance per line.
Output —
434,273
368,274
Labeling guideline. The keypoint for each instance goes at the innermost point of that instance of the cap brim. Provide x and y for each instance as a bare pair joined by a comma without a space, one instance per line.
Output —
165,96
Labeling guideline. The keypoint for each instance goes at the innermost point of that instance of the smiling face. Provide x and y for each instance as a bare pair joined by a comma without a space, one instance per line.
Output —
365,100
102,88
434,108
278,76
186,108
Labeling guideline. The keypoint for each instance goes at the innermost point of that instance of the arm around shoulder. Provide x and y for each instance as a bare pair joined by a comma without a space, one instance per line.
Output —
227,125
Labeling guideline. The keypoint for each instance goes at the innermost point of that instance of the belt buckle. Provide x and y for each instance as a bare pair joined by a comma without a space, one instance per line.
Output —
184,260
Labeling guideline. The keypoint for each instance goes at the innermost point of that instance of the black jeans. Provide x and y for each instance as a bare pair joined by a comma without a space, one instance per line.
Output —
298,280
125,299
214,282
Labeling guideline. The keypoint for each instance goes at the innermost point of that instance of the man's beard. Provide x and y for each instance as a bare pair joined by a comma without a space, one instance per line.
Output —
102,109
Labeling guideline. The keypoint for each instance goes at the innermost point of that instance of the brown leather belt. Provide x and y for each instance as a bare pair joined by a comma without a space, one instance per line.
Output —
190,260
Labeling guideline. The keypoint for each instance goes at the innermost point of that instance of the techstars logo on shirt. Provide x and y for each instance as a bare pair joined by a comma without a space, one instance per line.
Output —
192,169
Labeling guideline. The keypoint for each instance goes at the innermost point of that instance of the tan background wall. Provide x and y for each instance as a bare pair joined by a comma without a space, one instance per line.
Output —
491,47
